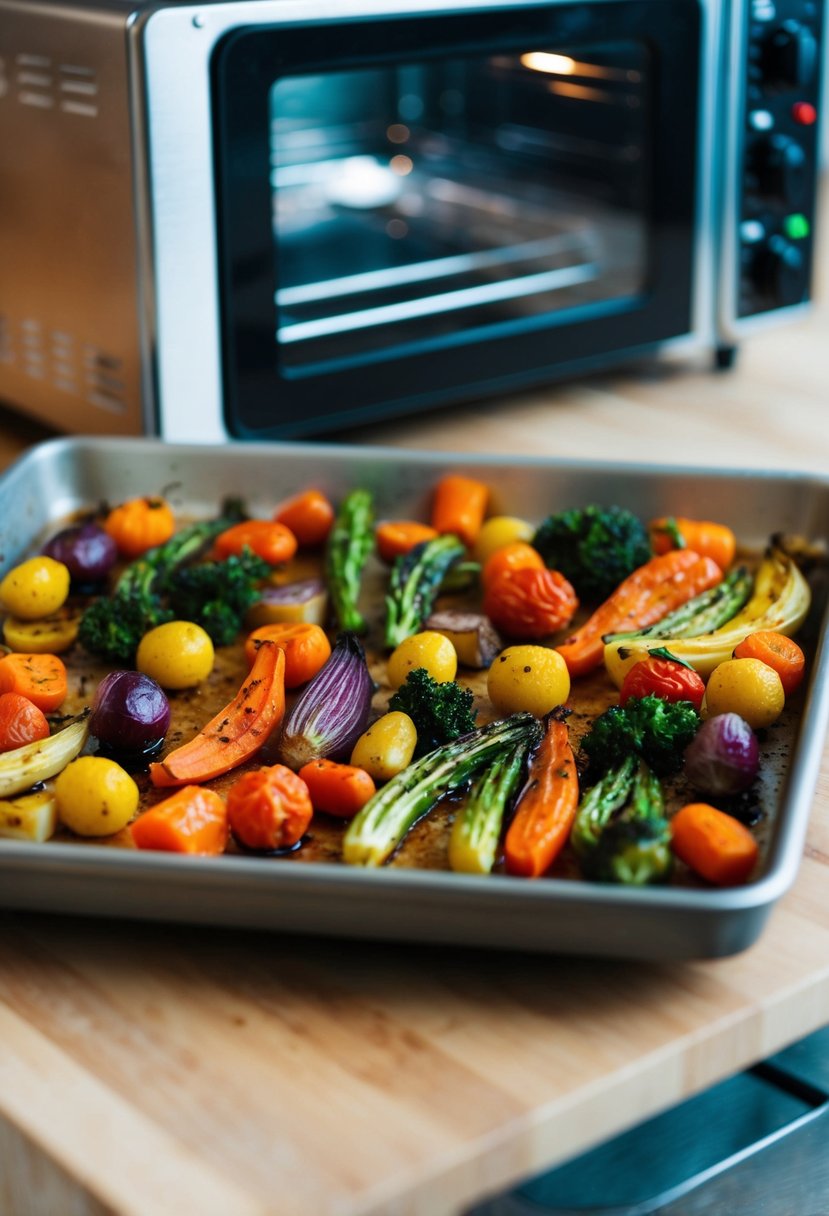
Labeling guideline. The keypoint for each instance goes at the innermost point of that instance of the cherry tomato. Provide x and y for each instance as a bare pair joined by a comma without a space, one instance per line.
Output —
268,539
530,604
269,808
665,678
21,722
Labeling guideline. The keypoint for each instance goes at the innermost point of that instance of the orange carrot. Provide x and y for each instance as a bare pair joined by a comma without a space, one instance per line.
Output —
309,516
643,598
459,506
139,525
271,541
395,537
306,649
776,651
337,789
237,732
516,556
193,820
269,808
705,537
547,806
41,678
715,845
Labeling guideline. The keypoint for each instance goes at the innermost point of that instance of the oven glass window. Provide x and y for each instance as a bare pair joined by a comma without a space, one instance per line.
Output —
428,203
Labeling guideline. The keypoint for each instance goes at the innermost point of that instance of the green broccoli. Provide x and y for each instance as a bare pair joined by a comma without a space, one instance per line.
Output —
441,712
217,595
112,626
649,727
594,547
620,833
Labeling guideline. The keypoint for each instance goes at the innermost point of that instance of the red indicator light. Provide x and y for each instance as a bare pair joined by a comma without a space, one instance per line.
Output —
804,113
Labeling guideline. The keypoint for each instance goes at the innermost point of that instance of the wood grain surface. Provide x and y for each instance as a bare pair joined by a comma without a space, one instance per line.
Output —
151,1070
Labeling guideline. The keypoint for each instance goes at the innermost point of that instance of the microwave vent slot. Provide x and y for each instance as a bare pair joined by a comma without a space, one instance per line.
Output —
71,87
6,343
104,383
32,354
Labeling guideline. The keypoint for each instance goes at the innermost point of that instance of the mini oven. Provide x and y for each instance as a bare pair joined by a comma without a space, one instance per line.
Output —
276,218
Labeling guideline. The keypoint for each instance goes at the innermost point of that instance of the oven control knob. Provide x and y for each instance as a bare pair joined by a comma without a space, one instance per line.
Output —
790,56
782,170
781,272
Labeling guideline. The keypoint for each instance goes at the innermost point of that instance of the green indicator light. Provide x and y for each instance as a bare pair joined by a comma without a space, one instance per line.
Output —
796,227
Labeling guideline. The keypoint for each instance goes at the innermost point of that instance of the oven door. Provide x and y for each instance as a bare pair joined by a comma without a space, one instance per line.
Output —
418,208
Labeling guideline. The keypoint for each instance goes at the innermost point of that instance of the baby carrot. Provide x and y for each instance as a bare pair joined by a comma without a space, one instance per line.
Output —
459,506
337,789
271,541
308,515
395,537
643,598
192,820
547,806
717,846
306,648
705,537
41,678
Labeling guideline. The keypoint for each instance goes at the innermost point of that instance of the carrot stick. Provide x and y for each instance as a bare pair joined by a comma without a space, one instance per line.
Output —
193,820
41,678
337,789
703,536
643,598
547,806
459,506
395,537
237,732
715,845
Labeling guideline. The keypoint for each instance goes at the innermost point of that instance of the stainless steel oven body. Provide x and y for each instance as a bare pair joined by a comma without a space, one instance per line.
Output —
268,218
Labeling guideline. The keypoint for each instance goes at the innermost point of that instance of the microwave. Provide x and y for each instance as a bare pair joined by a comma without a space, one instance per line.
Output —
279,218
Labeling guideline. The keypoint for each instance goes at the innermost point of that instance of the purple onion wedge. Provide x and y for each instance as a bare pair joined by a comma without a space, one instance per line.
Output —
303,601
333,710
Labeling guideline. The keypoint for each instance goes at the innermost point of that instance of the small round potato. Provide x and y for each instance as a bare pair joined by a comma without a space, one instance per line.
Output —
95,796
34,589
747,687
430,650
499,531
387,747
176,655
530,678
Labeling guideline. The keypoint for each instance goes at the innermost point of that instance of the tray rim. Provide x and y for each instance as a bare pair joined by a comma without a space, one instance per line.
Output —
796,795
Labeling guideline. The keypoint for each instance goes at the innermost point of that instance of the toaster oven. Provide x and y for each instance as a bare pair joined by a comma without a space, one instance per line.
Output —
276,218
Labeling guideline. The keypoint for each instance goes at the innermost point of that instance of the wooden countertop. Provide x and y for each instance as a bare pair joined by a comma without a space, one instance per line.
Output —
155,1070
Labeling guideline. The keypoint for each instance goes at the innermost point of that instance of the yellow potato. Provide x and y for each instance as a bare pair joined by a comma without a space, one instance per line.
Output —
747,687
95,796
176,655
530,678
387,747
499,531
34,589
430,650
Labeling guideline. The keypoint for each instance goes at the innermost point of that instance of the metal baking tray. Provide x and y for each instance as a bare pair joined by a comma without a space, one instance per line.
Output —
550,914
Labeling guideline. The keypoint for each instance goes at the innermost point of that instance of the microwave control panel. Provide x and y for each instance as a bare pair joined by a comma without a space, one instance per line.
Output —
777,197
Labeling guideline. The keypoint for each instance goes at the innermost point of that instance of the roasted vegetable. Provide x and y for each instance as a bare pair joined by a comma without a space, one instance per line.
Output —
701,614
303,602
473,843
348,548
716,846
87,551
459,506
780,601
26,766
473,636
112,626
657,731
661,675
332,711
414,583
440,712
547,805
32,817
705,537
594,547
378,829
620,833
217,595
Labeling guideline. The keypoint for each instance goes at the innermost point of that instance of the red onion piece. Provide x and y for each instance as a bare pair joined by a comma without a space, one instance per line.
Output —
333,710
724,756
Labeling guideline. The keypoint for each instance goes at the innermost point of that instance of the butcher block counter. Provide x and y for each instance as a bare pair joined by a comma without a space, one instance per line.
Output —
148,1069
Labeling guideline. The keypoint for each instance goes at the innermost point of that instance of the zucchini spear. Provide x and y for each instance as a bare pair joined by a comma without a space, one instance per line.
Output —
414,584
24,767
350,543
376,831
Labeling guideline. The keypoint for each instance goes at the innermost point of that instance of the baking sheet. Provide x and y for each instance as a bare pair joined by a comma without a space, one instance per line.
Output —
319,896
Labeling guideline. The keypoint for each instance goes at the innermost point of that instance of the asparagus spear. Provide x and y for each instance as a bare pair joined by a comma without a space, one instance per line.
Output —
477,828
703,613
376,831
415,581
349,544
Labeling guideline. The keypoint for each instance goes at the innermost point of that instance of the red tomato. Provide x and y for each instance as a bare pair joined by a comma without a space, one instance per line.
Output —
665,678
271,541
21,722
529,603
269,808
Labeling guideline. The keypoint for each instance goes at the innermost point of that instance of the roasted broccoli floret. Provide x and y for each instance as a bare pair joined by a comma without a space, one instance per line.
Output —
593,547
415,581
216,595
649,727
441,712
113,625
620,833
